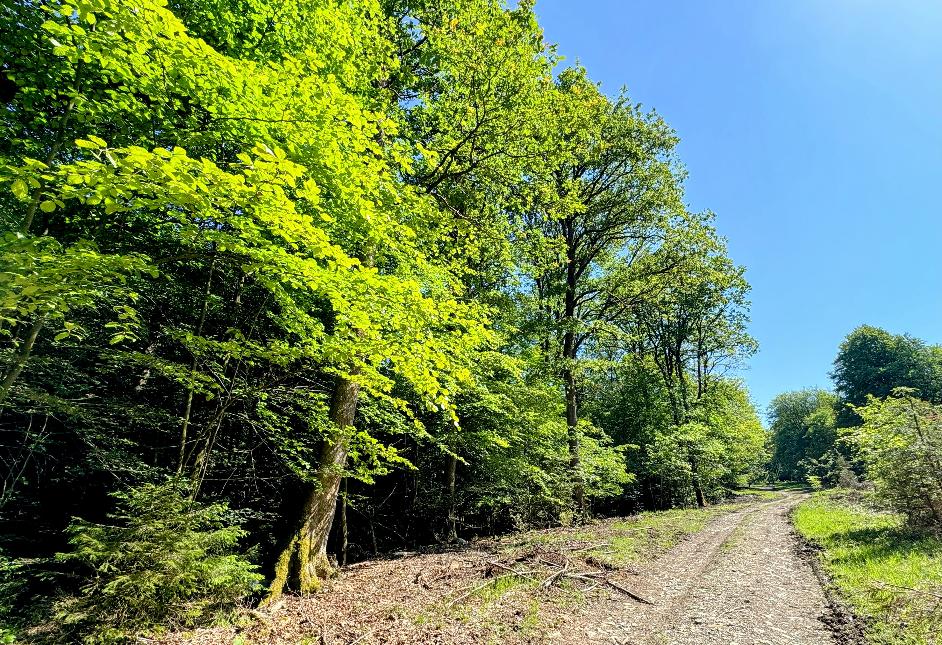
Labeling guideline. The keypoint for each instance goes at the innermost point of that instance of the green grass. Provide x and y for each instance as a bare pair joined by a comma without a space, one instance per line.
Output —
890,575
648,534
771,491
499,586
635,539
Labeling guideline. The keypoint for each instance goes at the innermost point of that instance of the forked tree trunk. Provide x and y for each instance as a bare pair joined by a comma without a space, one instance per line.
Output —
303,565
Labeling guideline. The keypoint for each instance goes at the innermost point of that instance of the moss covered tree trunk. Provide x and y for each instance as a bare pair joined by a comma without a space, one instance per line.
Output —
303,565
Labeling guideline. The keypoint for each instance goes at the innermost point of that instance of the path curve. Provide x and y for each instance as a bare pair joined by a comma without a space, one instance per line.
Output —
740,581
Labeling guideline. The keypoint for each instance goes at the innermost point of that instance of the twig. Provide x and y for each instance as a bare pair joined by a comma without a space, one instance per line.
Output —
587,547
360,638
615,586
475,590
880,583
550,580
522,574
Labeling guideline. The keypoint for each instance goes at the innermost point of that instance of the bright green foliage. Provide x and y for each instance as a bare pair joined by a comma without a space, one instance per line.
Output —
218,214
900,443
724,447
162,560
803,433
724,440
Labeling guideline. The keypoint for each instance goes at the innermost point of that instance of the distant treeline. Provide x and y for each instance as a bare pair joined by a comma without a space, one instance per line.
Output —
880,428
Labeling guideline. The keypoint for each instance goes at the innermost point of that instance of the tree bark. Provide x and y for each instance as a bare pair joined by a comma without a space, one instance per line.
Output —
575,457
343,525
569,380
450,472
22,356
695,481
304,562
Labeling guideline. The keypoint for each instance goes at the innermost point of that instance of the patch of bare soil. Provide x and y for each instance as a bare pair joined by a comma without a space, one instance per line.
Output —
739,581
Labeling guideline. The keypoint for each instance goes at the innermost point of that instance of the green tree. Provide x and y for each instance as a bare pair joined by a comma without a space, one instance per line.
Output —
161,560
803,427
599,209
871,361
900,442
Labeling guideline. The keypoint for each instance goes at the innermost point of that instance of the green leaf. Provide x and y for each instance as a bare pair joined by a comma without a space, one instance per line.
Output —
19,189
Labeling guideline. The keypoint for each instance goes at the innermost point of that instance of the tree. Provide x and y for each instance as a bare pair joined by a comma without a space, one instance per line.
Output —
598,211
693,323
803,430
337,246
872,361
900,442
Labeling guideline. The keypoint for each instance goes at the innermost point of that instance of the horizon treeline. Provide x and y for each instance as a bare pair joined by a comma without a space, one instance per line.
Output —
880,428
288,282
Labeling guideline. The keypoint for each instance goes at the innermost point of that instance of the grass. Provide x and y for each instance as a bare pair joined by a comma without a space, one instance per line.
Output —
890,575
635,539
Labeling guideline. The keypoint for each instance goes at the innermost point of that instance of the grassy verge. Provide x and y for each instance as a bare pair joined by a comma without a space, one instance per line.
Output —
890,575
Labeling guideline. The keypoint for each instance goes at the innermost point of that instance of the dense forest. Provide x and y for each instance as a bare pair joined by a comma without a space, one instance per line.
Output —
285,285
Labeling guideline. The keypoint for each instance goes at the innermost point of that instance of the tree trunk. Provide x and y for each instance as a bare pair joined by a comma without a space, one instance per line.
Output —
188,407
569,358
304,562
343,525
575,458
450,472
22,356
695,481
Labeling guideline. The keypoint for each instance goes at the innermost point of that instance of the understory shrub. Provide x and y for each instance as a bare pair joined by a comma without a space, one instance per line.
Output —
900,443
162,561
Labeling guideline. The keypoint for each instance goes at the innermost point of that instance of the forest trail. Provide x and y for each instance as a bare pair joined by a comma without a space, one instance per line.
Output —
737,581
740,581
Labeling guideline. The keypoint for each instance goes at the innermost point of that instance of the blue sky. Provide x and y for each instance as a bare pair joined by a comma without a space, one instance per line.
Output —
813,128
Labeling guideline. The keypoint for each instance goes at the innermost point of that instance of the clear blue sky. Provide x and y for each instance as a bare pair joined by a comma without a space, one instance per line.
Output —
813,128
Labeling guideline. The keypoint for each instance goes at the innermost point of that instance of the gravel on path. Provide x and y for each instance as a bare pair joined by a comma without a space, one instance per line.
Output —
740,581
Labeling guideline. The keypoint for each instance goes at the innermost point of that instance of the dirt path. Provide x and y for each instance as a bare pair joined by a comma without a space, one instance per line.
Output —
737,582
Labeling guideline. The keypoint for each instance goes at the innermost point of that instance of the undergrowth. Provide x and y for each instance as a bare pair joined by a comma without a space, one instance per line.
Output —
889,573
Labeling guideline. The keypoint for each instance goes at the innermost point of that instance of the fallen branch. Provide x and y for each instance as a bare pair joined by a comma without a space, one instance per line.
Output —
548,582
587,547
360,638
522,574
615,586
477,589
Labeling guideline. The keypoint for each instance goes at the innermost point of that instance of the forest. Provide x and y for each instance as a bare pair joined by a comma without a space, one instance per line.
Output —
284,286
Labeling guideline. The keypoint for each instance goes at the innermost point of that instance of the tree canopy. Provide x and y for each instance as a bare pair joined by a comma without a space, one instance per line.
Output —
329,278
